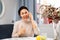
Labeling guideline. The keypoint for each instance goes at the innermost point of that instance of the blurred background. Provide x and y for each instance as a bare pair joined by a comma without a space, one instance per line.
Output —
9,15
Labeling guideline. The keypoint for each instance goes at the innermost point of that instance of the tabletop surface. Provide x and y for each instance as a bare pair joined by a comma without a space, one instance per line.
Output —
25,38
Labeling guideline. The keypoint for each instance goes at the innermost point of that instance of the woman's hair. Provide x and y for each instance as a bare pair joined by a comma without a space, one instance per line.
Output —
22,7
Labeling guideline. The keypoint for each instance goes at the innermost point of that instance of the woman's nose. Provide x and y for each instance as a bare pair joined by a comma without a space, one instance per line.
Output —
24,14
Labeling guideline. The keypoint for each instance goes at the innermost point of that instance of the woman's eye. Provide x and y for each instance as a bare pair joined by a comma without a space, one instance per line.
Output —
25,12
22,13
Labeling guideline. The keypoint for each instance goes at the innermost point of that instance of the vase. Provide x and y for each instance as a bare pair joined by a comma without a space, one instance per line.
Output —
56,29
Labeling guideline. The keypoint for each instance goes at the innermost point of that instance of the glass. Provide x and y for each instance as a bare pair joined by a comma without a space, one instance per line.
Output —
43,36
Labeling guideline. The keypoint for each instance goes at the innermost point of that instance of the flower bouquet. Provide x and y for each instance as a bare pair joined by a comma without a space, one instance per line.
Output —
51,13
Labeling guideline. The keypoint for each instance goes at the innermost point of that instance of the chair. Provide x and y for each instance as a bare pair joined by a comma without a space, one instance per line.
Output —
6,31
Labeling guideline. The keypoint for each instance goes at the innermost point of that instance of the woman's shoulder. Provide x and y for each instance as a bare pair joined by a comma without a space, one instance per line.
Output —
17,22
34,21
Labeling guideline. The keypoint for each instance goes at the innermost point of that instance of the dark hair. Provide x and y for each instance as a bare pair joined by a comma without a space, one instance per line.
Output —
22,7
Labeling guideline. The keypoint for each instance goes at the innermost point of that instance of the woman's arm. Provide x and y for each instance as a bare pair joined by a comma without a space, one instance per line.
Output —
34,25
14,33
35,28
17,33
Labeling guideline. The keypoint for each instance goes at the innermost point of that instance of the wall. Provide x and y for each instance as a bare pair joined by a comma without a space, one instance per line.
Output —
10,7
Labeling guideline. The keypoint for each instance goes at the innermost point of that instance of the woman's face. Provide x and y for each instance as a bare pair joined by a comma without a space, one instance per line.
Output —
24,14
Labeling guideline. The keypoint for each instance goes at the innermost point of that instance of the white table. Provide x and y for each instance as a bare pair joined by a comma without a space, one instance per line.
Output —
25,38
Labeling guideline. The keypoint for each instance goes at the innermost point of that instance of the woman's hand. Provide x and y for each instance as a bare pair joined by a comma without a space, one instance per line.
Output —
32,21
30,16
22,31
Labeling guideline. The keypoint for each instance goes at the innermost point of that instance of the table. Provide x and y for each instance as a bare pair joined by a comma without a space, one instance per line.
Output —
25,38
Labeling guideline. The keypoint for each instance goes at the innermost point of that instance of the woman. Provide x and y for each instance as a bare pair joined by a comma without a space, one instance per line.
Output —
26,27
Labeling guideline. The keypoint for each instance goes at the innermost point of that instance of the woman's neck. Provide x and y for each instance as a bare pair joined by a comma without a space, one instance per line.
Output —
26,20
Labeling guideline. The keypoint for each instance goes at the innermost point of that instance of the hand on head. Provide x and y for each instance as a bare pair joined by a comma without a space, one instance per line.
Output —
30,16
